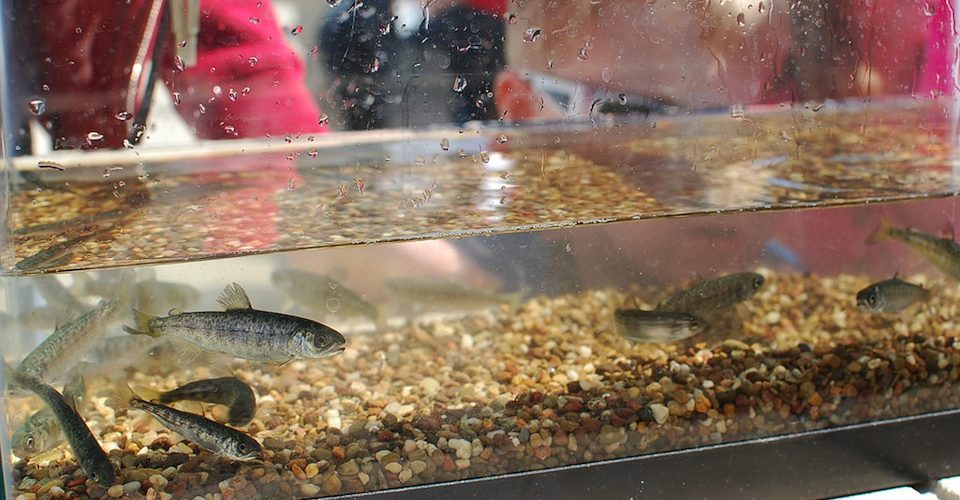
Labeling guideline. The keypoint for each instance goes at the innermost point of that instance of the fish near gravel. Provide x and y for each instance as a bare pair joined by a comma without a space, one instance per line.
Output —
209,435
656,326
67,346
323,294
41,431
228,391
244,332
91,457
944,253
891,296
713,295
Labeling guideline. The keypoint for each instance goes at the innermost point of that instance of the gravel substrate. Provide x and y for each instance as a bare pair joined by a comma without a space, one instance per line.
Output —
537,179
546,385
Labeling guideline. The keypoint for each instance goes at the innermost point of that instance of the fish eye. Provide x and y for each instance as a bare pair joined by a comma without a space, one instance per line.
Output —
95,477
29,441
757,282
872,299
242,447
695,325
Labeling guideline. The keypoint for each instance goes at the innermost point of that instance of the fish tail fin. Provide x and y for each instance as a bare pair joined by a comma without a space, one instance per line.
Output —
882,232
147,394
121,398
143,325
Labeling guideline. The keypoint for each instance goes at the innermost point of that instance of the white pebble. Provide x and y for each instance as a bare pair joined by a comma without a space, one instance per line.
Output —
158,481
772,318
333,419
115,491
393,467
462,447
708,384
466,342
430,385
310,489
405,475
181,447
363,477
660,412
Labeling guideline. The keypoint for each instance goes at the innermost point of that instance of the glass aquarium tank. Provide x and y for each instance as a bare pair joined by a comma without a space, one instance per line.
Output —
298,249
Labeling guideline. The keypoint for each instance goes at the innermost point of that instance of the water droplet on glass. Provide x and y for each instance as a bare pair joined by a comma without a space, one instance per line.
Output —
333,3
297,30
385,29
37,106
323,119
254,20
419,161
374,65
178,62
253,60
736,112
203,109
511,18
459,83
502,139
761,7
582,54
549,63
929,9
623,99
606,75
531,35
360,185
176,98
230,130
461,153
94,136
123,115
445,144
741,20
46,88
485,156
232,95
245,91
333,305
78,30
313,153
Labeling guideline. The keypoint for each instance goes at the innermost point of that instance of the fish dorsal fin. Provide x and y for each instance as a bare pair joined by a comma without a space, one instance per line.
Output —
233,297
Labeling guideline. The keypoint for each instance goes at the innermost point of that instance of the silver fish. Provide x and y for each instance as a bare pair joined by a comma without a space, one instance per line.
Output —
244,332
322,293
447,294
941,252
891,296
41,431
656,326
209,435
56,356
93,460
228,391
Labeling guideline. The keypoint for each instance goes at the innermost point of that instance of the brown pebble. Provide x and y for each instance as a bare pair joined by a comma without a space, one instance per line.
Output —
332,484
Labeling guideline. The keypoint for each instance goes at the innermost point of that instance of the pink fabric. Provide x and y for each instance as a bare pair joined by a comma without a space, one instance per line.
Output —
941,51
240,47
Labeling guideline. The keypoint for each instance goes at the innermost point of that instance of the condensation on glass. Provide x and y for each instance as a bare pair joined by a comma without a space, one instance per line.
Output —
457,228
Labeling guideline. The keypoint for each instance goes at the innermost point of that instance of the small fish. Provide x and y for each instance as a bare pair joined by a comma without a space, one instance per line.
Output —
714,295
57,254
447,294
941,252
244,332
93,460
322,293
56,356
891,296
156,297
228,391
656,326
41,431
209,435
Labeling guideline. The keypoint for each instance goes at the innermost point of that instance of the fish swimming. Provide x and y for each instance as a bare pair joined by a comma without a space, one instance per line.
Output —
93,460
228,391
209,435
56,356
41,431
656,326
244,332
891,296
944,253
447,294
714,295
323,294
